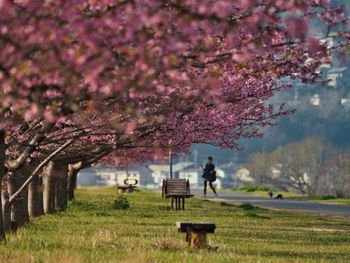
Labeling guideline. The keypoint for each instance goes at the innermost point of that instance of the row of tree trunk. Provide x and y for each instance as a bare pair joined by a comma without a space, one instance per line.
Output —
29,195
44,195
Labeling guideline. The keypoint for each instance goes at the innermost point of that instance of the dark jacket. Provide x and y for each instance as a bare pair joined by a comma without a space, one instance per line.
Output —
207,169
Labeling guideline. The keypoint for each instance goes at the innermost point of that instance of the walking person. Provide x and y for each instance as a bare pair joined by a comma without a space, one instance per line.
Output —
209,176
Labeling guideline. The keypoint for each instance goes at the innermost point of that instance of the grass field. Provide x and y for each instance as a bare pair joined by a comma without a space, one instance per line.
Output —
92,231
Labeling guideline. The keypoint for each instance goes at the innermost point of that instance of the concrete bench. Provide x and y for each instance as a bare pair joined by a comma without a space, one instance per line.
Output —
196,233
177,190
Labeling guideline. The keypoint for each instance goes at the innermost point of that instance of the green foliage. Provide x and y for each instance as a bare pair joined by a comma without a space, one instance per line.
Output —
265,189
249,188
225,204
255,188
121,202
327,197
339,194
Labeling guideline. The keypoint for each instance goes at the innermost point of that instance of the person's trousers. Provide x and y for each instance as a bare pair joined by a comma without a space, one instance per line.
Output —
211,186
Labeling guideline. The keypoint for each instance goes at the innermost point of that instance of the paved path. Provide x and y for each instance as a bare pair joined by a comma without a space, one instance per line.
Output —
286,204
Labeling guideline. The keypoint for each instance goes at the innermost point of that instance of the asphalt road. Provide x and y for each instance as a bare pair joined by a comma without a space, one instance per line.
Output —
285,204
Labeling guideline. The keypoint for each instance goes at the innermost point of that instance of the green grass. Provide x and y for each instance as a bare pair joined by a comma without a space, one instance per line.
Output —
92,231
322,199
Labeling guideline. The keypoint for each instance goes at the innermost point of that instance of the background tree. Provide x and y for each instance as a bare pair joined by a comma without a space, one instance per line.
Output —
339,170
308,167
299,164
259,167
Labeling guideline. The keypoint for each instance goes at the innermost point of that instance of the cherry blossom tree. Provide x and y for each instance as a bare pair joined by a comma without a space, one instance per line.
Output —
153,74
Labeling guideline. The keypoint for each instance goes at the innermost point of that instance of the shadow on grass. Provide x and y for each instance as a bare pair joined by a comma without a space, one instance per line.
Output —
254,215
248,206
226,204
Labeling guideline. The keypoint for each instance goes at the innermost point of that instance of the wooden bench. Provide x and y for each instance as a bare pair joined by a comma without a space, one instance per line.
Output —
176,189
196,233
127,186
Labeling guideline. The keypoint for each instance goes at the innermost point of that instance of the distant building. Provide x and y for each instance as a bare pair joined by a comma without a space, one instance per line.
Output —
337,76
243,175
226,177
112,176
152,176
187,170
345,102
276,171
193,175
315,100
162,171
223,180
120,177
159,172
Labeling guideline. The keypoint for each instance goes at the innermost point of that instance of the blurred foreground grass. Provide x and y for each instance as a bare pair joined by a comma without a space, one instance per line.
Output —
92,231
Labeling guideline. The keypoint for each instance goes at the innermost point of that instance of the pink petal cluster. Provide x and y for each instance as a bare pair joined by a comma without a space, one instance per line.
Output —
131,75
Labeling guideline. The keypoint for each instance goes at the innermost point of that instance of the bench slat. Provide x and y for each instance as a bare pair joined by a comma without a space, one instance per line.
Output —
196,227
175,180
177,187
179,195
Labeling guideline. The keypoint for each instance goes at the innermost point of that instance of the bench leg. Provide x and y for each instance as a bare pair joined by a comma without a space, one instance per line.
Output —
130,189
183,203
197,240
177,203
172,203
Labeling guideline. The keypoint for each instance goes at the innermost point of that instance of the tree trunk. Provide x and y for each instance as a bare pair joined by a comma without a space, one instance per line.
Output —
2,169
49,190
72,181
6,210
25,212
61,186
27,170
38,168
35,197
18,217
